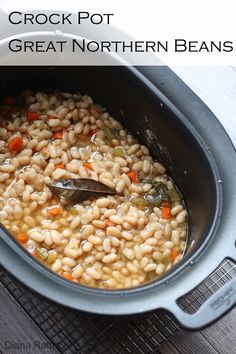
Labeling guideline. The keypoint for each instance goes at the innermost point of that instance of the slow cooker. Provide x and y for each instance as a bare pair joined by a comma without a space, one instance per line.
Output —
182,133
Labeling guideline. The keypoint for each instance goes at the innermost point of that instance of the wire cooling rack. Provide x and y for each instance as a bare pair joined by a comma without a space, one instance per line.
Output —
74,332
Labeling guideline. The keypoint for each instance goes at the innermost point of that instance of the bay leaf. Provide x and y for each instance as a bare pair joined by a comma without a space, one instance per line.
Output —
77,190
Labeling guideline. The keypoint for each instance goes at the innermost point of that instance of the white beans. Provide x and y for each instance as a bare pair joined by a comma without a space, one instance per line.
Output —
95,240
75,222
53,151
59,173
56,267
176,210
4,177
133,149
160,268
150,267
146,166
56,237
175,236
108,183
138,166
24,160
113,231
77,272
120,161
103,203
98,224
70,262
110,258
132,219
78,128
167,230
62,113
49,169
120,186
72,252
54,123
129,253
29,220
7,168
145,249
159,167
116,219
37,236
107,245
150,230
93,273
41,145
114,241
181,216
87,246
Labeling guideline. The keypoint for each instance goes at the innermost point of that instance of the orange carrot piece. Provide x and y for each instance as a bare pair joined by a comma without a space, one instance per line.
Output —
32,116
15,145
108,222
61,166
133,176
173,254
68,276
51,117
57,135
22,237
54,211
166,211
88,166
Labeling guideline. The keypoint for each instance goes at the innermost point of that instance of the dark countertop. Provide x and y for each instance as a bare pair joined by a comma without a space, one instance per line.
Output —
29,324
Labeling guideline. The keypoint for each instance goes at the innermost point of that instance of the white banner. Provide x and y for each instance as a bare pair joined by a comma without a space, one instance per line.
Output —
93,32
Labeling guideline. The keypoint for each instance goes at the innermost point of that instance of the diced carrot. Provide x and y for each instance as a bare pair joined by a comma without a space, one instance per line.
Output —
32,116
9,100
88,166
15,145
173,254
68,276
61,166
51,117
108,222
166,211
57,135
54,211
133,176
22,237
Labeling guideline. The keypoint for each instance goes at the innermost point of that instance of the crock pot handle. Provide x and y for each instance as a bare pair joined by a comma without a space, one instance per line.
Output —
213,308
